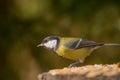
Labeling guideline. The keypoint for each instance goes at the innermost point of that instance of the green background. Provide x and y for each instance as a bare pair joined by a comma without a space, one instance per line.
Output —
24,23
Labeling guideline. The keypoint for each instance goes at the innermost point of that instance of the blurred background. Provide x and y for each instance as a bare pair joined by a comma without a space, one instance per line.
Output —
24,23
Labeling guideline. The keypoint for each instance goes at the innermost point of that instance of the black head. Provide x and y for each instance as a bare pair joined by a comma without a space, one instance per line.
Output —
50,42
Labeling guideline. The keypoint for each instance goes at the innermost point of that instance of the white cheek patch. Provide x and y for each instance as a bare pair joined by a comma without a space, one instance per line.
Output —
51,44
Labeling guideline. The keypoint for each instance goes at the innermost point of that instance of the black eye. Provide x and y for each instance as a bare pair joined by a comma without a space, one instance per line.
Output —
45,41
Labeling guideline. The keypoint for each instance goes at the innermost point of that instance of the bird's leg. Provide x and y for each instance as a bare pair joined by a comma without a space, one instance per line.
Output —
74,64
82,60
77,62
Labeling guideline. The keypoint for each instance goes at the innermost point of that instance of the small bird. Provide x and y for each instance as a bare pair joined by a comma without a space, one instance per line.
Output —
76,49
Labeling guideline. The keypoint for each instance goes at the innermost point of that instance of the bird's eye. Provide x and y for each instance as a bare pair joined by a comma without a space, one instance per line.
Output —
45,41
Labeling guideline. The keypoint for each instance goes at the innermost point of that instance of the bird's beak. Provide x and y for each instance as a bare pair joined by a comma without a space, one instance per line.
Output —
40,45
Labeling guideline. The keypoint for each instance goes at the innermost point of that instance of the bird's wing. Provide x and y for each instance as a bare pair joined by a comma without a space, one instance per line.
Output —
81,44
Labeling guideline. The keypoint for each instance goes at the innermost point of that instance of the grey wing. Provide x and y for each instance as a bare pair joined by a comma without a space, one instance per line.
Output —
81,44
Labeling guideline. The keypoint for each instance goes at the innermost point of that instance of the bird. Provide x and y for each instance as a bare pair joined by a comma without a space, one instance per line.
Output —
76,49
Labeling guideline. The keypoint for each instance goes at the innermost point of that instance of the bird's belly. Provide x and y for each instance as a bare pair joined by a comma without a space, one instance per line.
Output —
73,54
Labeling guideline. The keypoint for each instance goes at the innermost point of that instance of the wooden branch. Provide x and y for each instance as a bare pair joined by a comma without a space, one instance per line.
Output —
88,72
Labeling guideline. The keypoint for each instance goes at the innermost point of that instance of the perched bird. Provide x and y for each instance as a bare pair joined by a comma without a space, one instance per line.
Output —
72,48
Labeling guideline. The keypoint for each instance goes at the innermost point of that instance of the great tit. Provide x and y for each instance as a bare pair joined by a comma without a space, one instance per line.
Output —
72,48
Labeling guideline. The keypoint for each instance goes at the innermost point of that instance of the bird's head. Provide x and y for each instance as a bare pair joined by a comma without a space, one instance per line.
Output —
50,42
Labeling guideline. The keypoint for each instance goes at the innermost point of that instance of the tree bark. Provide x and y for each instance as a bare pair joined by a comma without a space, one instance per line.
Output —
88,72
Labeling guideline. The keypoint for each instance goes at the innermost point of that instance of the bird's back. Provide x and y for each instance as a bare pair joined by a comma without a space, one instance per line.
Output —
73,54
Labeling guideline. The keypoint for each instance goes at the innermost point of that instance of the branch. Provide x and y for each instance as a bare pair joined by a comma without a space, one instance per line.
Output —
88,72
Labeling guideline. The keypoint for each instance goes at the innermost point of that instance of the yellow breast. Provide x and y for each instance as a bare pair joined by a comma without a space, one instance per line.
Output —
71,53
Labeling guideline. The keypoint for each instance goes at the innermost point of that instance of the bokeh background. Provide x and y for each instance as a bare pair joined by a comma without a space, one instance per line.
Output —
24,23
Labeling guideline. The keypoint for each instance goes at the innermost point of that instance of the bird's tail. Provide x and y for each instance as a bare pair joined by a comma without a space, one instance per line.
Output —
111,44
